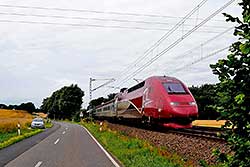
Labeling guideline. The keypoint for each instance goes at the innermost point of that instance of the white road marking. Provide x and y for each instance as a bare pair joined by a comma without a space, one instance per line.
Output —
39,164
57,141
107,154
66,128
63,132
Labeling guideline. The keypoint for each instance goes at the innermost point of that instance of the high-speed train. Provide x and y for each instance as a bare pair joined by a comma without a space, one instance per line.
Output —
157,100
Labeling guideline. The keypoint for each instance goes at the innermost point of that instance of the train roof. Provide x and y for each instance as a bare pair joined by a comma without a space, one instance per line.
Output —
106,103
164,78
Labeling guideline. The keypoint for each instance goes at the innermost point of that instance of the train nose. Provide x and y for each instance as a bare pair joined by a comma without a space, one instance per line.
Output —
190,111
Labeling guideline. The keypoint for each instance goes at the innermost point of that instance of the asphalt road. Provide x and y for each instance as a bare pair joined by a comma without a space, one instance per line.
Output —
68,146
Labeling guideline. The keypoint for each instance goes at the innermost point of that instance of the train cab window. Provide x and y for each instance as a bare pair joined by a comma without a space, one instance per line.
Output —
174,88
140,85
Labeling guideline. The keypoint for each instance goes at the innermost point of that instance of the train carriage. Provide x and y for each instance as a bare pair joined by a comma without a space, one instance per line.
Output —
159,100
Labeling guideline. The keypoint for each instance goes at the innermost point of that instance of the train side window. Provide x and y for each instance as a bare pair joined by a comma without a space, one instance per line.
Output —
140,85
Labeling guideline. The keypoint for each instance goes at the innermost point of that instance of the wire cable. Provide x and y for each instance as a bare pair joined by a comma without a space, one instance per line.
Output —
96,19
204,43
175,43
166,35
91,25
92,11
199,60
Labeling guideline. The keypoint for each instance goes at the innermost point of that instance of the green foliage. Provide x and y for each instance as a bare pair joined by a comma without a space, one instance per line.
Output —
29,106
206,97
63,103
234,92
100,100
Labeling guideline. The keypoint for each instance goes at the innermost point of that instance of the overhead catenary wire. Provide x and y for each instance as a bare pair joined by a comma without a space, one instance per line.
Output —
91,25
175,43
93,11
205,43
166,35
199,46
198,60
96,19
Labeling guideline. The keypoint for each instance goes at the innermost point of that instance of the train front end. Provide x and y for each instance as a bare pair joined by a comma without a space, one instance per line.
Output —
177,107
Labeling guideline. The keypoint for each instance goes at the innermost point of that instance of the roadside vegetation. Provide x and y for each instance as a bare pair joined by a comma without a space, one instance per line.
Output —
7,139
134,152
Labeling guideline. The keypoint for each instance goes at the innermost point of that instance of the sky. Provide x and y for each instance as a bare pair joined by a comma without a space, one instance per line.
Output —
46,44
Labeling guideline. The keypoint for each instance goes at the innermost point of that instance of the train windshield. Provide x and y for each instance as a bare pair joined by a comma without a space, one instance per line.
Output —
174,88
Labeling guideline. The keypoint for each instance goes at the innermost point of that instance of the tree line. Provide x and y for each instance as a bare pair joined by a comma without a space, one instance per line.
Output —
29,106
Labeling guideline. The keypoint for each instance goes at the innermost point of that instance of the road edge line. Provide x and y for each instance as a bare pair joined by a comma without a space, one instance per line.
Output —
103,149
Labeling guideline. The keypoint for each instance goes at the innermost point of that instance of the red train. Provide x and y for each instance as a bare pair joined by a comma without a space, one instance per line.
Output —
157,100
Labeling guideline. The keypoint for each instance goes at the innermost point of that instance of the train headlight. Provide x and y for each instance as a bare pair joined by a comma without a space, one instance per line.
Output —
192,103
174,103
159,109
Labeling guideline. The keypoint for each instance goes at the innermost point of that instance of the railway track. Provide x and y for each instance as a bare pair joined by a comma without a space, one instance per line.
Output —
196,131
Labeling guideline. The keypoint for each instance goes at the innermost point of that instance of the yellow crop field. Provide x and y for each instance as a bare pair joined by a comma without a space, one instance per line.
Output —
209,123
10,118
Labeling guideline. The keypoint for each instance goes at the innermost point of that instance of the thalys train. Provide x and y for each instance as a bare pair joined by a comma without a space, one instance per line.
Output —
158,100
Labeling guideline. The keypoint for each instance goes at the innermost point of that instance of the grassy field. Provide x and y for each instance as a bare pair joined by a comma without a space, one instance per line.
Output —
133,152
10,118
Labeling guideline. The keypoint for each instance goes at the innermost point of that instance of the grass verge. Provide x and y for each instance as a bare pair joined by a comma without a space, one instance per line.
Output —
7,139
133,152
48,125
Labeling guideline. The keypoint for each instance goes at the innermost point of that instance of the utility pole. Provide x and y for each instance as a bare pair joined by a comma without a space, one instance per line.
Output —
91,90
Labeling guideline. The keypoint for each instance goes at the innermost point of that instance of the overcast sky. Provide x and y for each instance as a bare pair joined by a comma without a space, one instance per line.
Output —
37,59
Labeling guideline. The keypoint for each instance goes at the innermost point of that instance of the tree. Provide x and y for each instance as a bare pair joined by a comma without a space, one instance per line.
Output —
63,103
234,91
30,107
100,100
111,96
206,97
3,106
70,100
96,102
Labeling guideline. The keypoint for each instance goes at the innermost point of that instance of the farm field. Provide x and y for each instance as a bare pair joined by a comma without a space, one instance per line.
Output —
8,126
10,118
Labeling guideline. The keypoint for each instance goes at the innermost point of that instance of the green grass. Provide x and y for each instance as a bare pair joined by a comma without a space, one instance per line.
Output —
133,152
11,138
6,136
48,125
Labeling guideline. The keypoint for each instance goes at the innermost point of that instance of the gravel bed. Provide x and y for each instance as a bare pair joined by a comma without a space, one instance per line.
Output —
190,147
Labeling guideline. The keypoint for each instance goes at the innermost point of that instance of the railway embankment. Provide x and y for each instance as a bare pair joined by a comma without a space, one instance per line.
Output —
190,147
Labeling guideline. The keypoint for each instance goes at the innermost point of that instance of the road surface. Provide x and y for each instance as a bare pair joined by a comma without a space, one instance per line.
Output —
68,146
